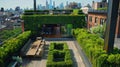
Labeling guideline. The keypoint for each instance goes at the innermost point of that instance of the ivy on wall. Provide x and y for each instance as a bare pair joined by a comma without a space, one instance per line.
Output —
32,21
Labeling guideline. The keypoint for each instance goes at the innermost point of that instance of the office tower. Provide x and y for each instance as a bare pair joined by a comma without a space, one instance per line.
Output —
61,6
66,3
50,5
79,5
47,5
53,4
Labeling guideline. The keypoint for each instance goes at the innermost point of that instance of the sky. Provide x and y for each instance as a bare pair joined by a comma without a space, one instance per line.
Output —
29,3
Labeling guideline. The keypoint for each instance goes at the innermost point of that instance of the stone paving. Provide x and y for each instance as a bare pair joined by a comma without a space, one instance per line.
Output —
117,43
76,57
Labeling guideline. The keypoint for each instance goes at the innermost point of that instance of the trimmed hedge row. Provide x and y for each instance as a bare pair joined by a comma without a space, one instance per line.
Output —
42,12
92,45
5,34
59,46
12,46
33,22
63,55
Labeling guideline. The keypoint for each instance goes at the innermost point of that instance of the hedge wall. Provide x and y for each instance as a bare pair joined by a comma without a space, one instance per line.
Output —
6,34
32,22
53,46
61,54
11,47
92,45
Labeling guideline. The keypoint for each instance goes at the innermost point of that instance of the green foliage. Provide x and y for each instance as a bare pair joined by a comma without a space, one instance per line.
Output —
32,21
77,12
12,46
58,46
63,57
47,12
92,45
100,30
5,34
105,8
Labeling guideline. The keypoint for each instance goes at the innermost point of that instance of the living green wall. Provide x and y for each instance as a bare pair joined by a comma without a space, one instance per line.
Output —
32,22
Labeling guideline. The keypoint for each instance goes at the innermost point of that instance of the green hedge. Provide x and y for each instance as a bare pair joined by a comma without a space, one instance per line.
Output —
12,46
59,46
42,12
64,54
5,34
32,22
92,45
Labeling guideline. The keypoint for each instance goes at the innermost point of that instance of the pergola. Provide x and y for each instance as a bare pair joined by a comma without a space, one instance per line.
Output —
111,24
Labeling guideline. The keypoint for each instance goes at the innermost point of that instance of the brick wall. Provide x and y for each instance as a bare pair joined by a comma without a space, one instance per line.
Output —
98,16
103,16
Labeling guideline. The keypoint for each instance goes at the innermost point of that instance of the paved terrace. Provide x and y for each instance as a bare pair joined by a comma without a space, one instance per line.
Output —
78,57
117,43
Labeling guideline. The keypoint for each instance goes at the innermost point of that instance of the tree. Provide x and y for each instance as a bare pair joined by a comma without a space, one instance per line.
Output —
17,8
2,9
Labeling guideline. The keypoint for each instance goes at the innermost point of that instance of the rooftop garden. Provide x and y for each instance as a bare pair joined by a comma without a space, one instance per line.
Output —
105,8
93,45
35,21
54,12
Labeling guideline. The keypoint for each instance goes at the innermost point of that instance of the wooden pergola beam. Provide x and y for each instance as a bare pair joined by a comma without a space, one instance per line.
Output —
112,15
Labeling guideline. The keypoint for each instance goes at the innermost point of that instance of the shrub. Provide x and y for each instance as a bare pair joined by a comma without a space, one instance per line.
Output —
12,46
58,46
59,58
92,45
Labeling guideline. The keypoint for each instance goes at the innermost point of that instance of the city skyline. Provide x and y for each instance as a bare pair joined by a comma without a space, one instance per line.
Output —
29,3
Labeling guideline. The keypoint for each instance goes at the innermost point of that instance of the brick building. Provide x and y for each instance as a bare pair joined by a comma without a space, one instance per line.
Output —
99,17
102,4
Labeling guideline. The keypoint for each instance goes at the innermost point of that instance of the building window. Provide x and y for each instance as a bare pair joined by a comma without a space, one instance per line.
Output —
96,19
90,18
102,21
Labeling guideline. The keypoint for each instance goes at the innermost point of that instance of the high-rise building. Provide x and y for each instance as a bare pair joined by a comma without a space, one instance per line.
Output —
61,6
0,24
66,3
50,5
79,5
53,4
47,5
